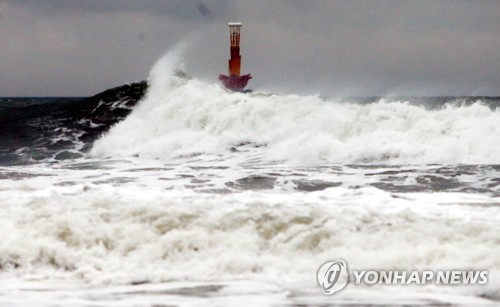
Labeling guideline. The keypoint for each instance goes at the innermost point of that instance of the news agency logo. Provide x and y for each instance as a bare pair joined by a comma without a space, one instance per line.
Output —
333,276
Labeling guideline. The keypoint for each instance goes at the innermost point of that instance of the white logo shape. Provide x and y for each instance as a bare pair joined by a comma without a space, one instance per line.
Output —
333,276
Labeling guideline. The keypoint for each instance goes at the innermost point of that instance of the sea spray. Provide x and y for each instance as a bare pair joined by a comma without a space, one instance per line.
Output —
161,79
181,117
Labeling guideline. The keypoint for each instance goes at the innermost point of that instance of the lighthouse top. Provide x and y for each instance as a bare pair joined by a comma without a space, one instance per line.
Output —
235,24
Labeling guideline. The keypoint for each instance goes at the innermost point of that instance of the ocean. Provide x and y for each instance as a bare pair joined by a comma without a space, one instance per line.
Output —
176,192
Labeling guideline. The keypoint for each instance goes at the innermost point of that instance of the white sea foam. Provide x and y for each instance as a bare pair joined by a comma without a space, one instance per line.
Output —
182,117
99,235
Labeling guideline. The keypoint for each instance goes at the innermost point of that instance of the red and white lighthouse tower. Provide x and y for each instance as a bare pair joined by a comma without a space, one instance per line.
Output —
235,81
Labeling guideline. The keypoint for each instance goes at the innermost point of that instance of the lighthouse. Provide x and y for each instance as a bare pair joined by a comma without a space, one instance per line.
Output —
234,81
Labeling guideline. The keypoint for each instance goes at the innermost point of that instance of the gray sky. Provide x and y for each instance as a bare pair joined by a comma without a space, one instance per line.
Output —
337,48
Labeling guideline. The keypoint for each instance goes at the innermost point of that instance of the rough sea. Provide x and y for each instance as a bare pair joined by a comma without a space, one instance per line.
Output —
189,195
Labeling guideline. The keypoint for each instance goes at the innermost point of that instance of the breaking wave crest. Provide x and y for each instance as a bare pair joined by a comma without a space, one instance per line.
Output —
185,117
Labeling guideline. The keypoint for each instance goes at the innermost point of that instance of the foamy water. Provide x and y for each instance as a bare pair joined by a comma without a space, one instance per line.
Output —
182,117
207,198
105,235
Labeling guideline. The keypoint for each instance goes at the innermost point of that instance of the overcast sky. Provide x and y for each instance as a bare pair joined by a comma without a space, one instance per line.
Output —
335,48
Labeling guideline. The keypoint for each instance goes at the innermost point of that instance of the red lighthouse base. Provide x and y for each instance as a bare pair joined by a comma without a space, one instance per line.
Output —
234,83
